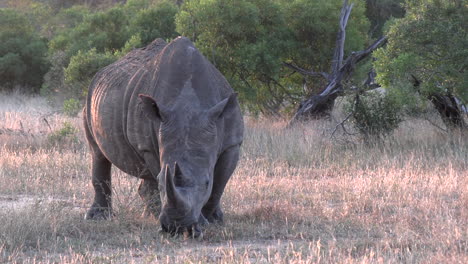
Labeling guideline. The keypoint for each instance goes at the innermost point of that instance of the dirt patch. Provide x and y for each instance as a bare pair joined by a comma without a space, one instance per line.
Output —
20,202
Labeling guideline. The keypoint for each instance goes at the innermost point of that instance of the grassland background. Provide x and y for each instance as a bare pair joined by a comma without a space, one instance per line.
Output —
297,196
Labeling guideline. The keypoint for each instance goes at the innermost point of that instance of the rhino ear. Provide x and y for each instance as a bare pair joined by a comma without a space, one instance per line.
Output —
150,108
216,111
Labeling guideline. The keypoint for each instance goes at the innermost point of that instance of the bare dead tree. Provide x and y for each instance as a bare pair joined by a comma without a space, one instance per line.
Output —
319,106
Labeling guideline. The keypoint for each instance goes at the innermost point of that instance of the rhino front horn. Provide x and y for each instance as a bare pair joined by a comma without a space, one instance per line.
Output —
173,195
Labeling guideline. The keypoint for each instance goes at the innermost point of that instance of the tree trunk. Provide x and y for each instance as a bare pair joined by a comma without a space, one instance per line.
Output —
449,111
316,107
447,107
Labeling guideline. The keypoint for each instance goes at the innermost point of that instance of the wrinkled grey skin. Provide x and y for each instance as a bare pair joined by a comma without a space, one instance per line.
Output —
166,115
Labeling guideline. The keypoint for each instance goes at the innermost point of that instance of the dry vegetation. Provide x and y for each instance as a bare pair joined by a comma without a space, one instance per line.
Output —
296,197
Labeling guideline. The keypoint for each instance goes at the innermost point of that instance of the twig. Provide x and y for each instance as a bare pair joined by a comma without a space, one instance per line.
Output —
47,123
435,125
305,72
342,125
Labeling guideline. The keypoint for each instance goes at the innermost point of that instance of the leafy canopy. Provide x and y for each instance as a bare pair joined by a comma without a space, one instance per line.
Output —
429,43
248,40
23,53
245,40
92,40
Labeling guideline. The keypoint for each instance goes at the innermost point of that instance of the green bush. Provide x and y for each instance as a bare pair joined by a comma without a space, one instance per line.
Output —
83,66
66,19
133,43
105,31
155,22
54,79
374,115
71,107
23,54
64,135
246,40
86,41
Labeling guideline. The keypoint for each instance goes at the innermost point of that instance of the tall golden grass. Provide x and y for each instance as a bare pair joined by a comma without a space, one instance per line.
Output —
297,196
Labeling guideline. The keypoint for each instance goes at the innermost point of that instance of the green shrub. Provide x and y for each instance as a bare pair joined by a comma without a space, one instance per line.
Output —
133,43
64,135
105,31
54,79
155,22
87,41
72,107
23,54
83,66
374,115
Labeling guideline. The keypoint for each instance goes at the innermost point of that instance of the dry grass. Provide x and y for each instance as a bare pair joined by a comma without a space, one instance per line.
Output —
296,197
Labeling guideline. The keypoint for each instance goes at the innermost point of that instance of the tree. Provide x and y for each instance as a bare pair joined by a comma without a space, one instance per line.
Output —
104,31
85,41
23,54
426,55
318,106
315,26
83,66
246,40
65,20
155,22
379,11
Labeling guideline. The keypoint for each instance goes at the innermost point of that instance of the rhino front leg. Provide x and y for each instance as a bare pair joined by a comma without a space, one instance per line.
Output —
224,168
149,193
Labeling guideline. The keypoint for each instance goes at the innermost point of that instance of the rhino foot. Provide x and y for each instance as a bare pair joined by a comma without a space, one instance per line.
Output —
202,221
150,211
98,213
216,217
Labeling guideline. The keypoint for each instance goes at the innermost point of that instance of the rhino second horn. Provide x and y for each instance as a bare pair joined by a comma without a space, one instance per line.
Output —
173,195
179,177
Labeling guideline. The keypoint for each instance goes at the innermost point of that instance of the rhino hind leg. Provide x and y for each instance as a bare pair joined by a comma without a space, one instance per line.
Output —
102,205
149,193
224,168
101,180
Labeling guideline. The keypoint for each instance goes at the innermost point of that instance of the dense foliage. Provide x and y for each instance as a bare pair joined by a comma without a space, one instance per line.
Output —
379,11
92,40
245,39
56,46
430,44
22,51
249,39
374,114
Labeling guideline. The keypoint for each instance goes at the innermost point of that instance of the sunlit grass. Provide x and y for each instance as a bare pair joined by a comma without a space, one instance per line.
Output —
297,196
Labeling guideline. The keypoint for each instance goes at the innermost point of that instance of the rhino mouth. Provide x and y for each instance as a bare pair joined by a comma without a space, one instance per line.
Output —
172,223
193,231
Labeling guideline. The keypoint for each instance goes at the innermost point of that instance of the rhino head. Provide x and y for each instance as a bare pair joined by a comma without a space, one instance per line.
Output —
189,142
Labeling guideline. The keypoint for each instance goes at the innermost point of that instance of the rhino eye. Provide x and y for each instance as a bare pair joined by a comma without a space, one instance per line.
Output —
207,184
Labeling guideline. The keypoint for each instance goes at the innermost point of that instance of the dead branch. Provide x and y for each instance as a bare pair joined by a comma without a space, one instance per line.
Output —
305,72
320,105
